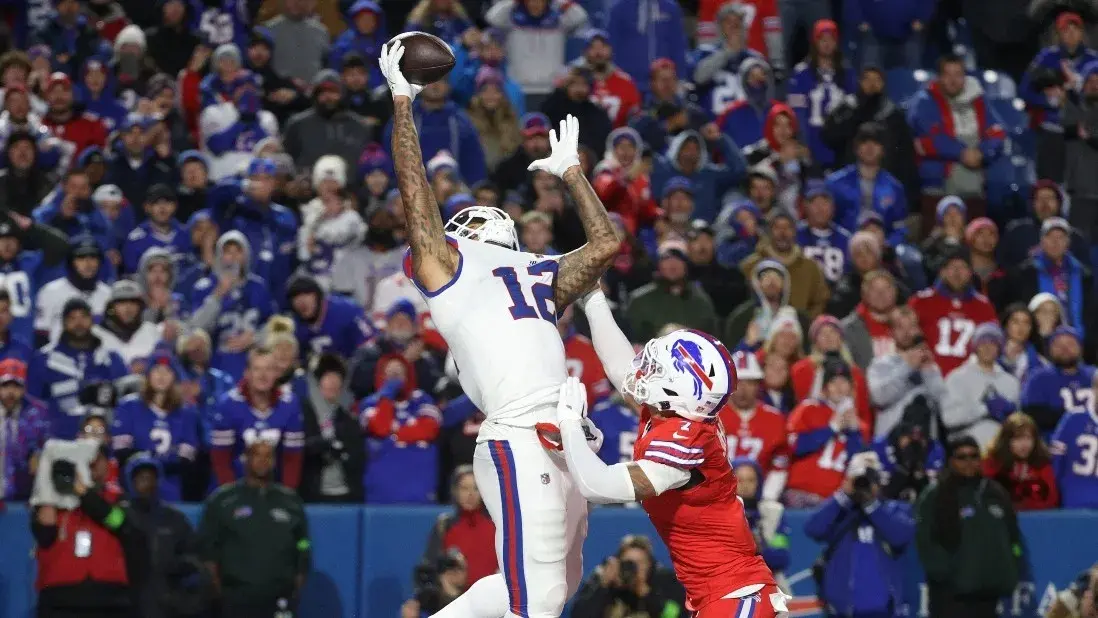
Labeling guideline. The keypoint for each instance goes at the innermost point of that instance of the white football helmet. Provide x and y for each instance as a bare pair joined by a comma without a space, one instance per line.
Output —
485,224
686,372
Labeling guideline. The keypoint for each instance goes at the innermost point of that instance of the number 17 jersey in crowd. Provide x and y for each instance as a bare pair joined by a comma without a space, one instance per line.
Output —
498,316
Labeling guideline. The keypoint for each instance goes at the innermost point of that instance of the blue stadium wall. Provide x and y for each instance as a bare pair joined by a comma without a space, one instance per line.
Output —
364,556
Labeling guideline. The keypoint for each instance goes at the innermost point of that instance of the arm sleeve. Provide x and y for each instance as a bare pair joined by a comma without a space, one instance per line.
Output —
708,67
598,482
205,316
611,345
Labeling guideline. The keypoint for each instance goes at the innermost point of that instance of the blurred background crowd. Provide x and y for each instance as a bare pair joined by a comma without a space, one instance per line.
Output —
887,209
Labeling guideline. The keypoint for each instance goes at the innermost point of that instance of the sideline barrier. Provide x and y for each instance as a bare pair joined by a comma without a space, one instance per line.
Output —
363,558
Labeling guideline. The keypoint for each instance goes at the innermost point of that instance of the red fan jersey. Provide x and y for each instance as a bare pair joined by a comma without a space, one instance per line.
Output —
760,437
948,322
82,131
618,95
821,471
582,362
760,17
703,522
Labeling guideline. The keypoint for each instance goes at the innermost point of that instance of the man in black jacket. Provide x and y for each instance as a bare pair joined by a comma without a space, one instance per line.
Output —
630,583
172,42
871,104
512,171
335,452
172,562
23,184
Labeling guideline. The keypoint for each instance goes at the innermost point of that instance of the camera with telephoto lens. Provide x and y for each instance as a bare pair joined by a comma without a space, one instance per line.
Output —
63,476
627,573
428,590
864,484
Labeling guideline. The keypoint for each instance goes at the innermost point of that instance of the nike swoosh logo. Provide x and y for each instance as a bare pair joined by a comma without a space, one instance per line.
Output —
678,436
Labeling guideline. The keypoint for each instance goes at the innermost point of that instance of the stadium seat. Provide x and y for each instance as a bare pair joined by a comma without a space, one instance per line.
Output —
1012,112
902,84
998,85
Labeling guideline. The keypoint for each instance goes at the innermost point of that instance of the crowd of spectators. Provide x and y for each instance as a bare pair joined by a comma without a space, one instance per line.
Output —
886,209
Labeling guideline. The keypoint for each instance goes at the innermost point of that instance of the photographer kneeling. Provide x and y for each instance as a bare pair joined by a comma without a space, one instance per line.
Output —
630,584
858,574
437,584
88,550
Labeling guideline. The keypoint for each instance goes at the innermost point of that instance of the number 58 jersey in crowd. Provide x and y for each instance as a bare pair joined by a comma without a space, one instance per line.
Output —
498,317
703,522
948,321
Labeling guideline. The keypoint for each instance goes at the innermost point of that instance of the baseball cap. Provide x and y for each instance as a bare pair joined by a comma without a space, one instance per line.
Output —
824,26
595,33
13,370
673,248
1066,331
817,188
75,304
84,246
58,78
327,79
1055,223
678,183
535,123
699,227
160,193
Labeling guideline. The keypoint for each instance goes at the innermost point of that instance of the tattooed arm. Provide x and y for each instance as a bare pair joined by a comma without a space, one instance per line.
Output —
434,261
581,269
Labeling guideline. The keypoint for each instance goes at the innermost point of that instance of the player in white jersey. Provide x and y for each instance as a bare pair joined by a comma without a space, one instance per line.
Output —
497,309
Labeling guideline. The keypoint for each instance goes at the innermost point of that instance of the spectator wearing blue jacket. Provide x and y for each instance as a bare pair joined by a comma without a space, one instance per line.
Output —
489,52
766,517
71,37
863,537
642,31
365,34
888,200
271,229
957,158
160,229
96,92
743,121
134,166
72,211
1053,74
688,156
890,33
445,19
401,423
442,125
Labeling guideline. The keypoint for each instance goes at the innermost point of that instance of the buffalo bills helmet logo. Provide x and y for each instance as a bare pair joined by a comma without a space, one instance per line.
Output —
688,360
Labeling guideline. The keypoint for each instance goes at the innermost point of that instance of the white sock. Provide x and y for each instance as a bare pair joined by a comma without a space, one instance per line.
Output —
487,598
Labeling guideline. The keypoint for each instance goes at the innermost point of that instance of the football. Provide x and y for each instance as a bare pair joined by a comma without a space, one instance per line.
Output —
427,58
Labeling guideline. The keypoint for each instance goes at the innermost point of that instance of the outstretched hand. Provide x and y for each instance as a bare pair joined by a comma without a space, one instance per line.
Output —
573,400
390,68
565,147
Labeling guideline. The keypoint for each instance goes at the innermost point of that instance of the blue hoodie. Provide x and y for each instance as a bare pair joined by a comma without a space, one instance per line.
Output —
368,45
862,577
711,180
446,129
106,106
463,79
642,31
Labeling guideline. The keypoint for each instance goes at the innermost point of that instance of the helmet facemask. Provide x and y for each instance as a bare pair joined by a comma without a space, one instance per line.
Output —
484,224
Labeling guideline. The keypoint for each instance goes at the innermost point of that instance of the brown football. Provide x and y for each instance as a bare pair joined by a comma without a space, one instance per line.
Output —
427,58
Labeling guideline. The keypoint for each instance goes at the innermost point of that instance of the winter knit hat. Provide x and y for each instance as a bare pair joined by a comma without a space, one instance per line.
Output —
947,202
330,167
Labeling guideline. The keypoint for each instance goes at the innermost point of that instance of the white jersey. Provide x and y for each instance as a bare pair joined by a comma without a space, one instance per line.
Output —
52,298
499,319
218,118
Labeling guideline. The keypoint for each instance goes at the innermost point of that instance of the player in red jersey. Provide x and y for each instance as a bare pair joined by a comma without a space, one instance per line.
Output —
613,89
950,310
754,429
680,471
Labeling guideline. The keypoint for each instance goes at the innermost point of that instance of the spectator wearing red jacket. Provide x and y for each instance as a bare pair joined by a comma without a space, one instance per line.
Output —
611,89
622,183
66,121
1019,460
467,529
806,375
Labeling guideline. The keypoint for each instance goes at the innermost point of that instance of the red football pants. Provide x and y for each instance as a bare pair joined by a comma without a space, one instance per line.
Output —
760,604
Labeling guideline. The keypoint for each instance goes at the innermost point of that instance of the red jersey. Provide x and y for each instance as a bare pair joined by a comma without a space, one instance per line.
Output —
880,333
806,377
582,362
821,471
618,95
760,437
632,199
702,523
760,17
82,131
948,323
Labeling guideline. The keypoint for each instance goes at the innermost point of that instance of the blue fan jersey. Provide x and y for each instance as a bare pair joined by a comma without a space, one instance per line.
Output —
1074,448
168,437
726,86
1051,387
20,278
144,237
244,309
827,247
229,23
619,429
237,424
343,328
60,371
813,94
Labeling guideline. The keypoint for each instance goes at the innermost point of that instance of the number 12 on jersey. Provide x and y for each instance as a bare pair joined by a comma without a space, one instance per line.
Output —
542,292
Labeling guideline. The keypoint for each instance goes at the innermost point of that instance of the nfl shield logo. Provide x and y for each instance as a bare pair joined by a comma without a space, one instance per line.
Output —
545,478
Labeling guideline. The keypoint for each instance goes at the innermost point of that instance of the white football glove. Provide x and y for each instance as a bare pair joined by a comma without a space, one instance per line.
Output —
390,68
565,149
572,405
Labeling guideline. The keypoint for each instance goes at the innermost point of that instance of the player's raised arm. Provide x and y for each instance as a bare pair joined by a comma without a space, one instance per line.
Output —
599,483
434,261
582,268
611,345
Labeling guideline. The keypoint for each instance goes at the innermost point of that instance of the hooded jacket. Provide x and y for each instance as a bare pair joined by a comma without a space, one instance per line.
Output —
744,119
535,46
311,134
401,430
808,290
244,309
446,129
177,305
367,45
711,181
756,309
